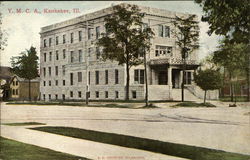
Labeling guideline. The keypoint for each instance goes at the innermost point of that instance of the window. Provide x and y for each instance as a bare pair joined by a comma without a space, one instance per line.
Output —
96,77
49,83
63,69
63,96
160,30
97,29
97,94
188,77
106,76
97,53
50,56
16,91
56,82
13,92
64,53
56,96
163,50
44,43
57,40
57,55
79,94
116,76
44,57
49,96
167,31
71,37
134,94
80,35
44,83
89,33
80,55
44,71
50,41
116,94
63,82
106,94
13,83
139,76
71,78
49,71
144,26
89,50
64,39
79,76
89,77
44,96
163,31
16,83
71,94
71,56
56,70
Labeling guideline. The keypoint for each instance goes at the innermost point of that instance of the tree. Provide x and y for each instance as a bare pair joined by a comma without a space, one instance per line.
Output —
232,56
230,19
187,34
3,34
208,79
124,40
26,65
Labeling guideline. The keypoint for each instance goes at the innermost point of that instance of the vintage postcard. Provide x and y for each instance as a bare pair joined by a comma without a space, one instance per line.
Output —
125,80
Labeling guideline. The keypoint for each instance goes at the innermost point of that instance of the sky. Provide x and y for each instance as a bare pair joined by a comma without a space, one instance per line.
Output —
23,28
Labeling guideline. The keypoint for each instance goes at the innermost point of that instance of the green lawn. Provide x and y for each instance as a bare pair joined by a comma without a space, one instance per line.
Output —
193,104
82,104
173,149
238,99
13,150
24,124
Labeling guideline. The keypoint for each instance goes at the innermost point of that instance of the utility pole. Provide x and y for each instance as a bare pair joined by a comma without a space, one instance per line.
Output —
87,64
146,78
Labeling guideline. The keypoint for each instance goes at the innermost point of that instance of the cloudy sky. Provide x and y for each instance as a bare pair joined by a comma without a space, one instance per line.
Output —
23,28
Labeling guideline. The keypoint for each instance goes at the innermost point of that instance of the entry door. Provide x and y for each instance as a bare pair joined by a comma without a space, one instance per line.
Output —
163,78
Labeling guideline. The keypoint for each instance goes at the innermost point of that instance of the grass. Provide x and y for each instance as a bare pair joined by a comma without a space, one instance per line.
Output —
24,124
238,99
167,148
193,104
150,106
14,150
111,105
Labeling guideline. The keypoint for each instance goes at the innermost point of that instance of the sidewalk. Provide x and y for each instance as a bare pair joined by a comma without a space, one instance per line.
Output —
78,147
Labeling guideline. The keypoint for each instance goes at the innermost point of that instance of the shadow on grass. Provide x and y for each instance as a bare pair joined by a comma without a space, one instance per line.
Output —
24,124
78,104
173,149
193,104
14,150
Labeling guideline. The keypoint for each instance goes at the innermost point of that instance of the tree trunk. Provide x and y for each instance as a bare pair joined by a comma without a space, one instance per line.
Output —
205,95
183,81
223,84
146,79
29,91
231,88
127,83
248,84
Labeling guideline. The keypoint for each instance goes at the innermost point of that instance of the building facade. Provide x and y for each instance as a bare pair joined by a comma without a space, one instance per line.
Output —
19,89
71,65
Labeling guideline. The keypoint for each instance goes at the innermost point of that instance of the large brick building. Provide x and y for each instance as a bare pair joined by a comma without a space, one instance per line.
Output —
70,61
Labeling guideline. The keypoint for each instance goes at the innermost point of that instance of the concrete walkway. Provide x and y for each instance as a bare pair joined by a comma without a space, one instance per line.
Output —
74,146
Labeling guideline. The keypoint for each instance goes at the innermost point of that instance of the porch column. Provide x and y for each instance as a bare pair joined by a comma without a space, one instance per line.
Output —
170,77
180,78
170,82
